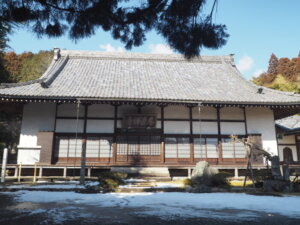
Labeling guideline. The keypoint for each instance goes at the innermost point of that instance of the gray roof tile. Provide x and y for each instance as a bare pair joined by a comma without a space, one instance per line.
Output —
134,76
289,123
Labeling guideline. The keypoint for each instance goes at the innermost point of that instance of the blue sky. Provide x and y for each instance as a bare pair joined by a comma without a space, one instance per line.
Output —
257,29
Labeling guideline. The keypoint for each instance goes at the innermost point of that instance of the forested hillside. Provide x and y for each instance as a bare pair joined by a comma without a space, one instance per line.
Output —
283,74
17,68
25,66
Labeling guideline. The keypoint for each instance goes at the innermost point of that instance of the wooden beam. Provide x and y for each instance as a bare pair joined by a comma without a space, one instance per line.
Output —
115,134
245,119
191,135
162,140
219,135
83,152
54,131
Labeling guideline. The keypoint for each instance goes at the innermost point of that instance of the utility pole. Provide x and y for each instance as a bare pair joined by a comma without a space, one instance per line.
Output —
4,161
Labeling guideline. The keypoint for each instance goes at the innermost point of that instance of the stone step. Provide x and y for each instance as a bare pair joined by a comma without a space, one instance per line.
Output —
153,178
149,189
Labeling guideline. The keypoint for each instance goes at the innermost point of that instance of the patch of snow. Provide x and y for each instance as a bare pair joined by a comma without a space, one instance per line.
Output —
66,181
133,186
60,185
92,183
42,181
175,204
46,186
168,185
131,180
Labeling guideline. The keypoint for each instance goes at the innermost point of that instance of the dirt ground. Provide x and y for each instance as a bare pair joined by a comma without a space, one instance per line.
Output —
26,213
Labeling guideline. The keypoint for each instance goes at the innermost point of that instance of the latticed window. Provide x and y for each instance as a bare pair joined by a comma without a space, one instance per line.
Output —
138,145
99,147
68,147
231,149
177,147
122,145
96,147
206,147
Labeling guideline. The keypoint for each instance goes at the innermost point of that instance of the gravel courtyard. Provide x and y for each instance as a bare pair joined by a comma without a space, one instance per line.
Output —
42,207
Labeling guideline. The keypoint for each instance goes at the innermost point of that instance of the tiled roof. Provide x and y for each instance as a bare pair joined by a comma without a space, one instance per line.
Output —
291,123
151,77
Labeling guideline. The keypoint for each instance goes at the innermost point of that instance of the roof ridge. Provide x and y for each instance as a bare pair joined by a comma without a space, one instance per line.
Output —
50,77
143,56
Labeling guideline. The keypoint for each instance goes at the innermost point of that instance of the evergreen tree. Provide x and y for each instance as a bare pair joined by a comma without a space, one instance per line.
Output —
4,30
182,23
273,63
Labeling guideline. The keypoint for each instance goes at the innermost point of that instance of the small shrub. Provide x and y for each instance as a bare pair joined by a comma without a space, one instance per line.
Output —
216,180
187,182
220,179
111,180
260,176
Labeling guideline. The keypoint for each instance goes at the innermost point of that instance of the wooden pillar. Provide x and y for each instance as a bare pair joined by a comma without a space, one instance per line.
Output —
20,173
236,172
16,171
219,135
34,173
115,134
189,172
54,131
40,172
83,152
89,172
191,135
297,141
65,172
245,119
162,140
4,162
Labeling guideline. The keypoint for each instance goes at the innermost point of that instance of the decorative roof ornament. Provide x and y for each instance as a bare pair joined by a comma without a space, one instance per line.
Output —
56,53
260,90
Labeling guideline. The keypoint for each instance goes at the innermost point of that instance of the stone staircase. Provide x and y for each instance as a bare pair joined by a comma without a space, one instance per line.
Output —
150,184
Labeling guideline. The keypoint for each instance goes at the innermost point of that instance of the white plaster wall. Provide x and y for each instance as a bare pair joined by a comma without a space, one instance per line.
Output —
231,113
261,121
28,156
36,117
101,110
176,127
176,112
205,128
234,128
205,112
294,151
69,126
69,110
100,126
287,140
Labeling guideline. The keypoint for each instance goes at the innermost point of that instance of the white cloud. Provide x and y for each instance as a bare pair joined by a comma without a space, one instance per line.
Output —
245,63
160,49
110,48
258,72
